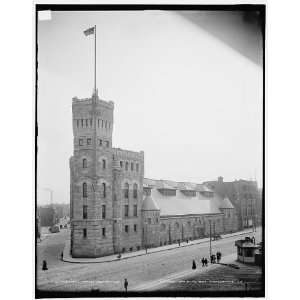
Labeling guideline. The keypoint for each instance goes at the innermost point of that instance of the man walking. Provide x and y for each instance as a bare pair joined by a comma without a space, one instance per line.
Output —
203,261
125,284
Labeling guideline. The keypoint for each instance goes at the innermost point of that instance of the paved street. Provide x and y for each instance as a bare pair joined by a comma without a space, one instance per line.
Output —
140,271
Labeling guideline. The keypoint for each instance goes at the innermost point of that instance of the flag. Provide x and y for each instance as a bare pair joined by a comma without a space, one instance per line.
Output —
89,31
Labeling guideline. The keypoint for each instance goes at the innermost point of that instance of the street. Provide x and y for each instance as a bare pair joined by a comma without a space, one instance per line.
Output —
140,271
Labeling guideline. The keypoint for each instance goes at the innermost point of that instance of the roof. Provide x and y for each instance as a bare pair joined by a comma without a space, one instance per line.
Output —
226,203
180,204
149,204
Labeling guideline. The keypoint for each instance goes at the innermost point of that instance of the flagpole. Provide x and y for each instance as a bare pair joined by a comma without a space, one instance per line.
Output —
95,62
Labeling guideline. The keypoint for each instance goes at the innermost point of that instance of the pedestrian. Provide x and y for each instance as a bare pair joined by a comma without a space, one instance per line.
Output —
214,259
44,268
206,262
218,257
179,242
194,265
187,241
211,259
125,284
203,261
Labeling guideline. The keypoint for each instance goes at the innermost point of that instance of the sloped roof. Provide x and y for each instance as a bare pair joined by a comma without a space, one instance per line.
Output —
180,204
203,188
226,203
149,204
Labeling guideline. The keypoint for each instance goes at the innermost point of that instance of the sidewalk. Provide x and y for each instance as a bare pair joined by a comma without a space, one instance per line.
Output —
68,258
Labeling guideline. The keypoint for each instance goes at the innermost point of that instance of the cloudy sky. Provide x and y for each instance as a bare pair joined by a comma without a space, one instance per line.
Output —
187,89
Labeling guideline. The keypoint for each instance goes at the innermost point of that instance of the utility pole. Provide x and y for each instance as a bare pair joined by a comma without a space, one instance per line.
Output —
209,238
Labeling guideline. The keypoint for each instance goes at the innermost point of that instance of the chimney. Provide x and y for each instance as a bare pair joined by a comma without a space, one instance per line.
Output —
220,179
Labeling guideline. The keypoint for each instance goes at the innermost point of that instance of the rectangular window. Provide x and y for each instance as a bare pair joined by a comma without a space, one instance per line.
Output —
135,210
88,141
103,164
81,122
77,123
135,228
100,142
131,166
149,221
107,144
102,123
137,167
86,122
84,233
126,228
84,212
103,212
121,164
126,210
98,122
80,142
103,232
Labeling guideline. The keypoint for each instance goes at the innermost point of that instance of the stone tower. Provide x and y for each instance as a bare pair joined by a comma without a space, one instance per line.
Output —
92,178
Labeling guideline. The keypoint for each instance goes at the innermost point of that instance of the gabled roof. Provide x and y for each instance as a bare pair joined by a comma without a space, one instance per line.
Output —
179,204
226,203
149,204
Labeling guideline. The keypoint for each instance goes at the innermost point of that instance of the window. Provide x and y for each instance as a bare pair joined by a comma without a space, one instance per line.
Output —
137,167
121,164
135,210
84,163
126,190
103,232
126,210
149,221
135,228
102,123
103,212
86,122
131,166
84,212
84,233
91,122
126,228
84,190
100,142
176,225
126,166
135,187
138,247
88,141
103,190
156,220
105,124
98,122
107,144
103,164
163,227
77,123
80,142
81,122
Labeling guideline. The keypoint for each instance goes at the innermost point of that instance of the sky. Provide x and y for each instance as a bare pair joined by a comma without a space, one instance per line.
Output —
189,99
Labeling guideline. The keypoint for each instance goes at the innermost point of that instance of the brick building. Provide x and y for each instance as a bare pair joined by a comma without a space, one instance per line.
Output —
245,196
114,209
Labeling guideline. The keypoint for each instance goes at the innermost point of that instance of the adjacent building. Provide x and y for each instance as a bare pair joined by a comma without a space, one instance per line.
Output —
246,198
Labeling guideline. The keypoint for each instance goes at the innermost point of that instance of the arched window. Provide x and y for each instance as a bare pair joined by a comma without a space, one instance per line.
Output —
176,225
103,190
135,188
126,190
84,190
84,163
103,164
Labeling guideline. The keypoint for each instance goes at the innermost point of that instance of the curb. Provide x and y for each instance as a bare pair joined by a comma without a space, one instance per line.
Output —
71,260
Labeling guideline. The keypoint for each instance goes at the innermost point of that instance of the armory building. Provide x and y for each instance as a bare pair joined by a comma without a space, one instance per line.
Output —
115,209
